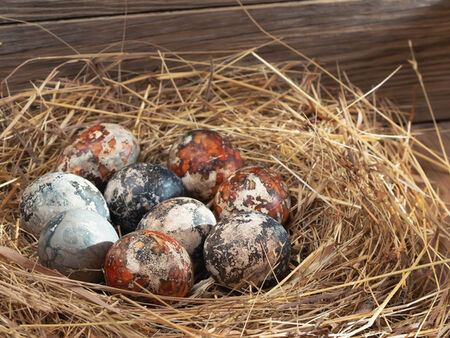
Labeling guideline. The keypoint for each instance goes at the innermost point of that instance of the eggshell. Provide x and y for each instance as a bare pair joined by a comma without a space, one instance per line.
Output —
254,189
75,243
98,152
203,159
185,219
247,248
136,188
54,193
149,260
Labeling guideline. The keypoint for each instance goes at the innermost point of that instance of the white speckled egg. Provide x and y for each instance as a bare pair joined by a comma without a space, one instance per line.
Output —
54,193
98,152
247,248
75,243
135,189
185,219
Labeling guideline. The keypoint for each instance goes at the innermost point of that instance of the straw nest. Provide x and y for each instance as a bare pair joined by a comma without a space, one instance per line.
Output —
369,238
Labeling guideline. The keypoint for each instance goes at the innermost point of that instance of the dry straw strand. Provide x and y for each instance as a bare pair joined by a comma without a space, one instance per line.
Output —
369,239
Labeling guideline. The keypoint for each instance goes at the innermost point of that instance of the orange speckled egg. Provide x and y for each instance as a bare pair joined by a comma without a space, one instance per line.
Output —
254,189
150,260
98,152
203,159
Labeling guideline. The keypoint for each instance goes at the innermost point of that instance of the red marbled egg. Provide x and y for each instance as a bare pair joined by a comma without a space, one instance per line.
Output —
203,159
254,189
98,152
150,260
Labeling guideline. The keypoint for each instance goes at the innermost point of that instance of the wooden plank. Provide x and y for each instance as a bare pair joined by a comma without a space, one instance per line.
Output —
367,39
438,176
40,10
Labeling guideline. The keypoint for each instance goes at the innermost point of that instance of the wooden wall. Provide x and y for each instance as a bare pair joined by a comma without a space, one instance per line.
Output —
368,39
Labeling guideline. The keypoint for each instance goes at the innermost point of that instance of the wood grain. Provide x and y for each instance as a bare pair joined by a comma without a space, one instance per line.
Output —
41,10
368,39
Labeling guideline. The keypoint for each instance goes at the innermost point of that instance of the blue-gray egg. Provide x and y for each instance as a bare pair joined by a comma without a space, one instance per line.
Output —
135,189
185,219
247,248
54,193
75,243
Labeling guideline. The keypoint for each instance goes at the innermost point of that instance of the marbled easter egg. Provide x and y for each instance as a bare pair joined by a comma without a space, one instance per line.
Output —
247,248
75,243
254,189
149,260
203,159
98,152
54,193
185,219
135,189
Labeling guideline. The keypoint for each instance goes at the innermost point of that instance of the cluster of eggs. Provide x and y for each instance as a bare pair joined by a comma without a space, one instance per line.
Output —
169,233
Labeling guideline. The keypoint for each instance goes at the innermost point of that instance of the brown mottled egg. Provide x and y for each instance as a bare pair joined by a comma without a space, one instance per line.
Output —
247,248
254,189
203,159
185,219
149,260
98,152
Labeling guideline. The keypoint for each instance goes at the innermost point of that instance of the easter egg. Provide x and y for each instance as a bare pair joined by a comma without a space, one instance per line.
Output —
203,159
98,152
135,189
254,189
149,260
75,243
185,219
54,193
247,248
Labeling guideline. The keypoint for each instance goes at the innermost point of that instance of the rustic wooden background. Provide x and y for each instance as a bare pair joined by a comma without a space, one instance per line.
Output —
366,39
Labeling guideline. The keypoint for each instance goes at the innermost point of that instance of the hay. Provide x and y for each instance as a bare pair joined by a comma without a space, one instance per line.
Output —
369,234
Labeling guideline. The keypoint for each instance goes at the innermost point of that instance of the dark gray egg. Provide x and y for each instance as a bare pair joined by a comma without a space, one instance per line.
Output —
135,189
247,248
54,193
185,219
75,243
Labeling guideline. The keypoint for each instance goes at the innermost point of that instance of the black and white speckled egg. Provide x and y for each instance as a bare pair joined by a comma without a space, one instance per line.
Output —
185,219
135,189
149,260
254,189
203,159
98,152
247,248
54,193
75,243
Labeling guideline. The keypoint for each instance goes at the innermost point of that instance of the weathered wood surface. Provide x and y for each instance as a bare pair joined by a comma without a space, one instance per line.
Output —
41,10
368,39
438,176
